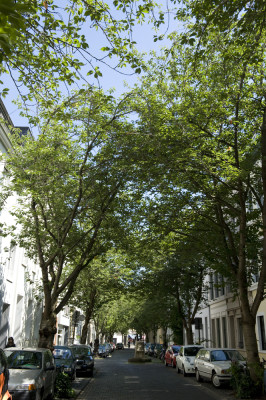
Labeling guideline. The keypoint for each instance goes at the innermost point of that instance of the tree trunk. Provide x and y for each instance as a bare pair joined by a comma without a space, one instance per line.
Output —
47,330
88,315
189,333
84,332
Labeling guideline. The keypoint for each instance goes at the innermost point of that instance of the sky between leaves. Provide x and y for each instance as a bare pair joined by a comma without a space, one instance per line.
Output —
111,79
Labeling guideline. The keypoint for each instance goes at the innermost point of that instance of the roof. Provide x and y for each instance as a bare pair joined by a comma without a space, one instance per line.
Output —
39,349
24,130
4,114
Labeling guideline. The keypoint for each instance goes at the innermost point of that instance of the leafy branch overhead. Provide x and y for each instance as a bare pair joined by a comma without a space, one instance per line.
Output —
47,47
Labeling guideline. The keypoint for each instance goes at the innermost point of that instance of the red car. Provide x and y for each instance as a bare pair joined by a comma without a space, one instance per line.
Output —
170,355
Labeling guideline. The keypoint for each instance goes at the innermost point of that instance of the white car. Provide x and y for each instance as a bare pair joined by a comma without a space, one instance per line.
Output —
185,359
214,365
32,373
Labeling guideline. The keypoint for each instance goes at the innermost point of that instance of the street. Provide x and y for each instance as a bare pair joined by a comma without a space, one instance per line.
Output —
116,379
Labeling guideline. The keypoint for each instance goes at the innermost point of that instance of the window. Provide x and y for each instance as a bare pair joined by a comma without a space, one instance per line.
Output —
240,333
207,356
218,332
201,354
206,329
48,359
213,333
222,285
232,331
224,329
261,327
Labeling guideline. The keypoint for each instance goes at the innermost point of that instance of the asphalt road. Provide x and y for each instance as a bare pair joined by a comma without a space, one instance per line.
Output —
117,379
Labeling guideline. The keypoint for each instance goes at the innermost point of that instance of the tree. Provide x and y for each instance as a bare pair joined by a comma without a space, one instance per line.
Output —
51,48
13,22
114,316
240,21
209,118
67,188
183,283
99,284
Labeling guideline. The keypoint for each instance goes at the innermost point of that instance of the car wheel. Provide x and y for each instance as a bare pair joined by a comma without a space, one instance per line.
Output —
184,371
215,380
165,363
198,377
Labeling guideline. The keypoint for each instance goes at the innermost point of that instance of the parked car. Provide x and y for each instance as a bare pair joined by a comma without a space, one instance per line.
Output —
151,349
4,375
84,358
185,359
146,347
157,350
214,365
109,348
170,355
32,373
113,345
103,351
119,346
65,358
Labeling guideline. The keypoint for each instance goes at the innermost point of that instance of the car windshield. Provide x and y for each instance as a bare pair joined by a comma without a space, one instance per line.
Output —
82,351
234,355
22,359
226,355
191,351
62,353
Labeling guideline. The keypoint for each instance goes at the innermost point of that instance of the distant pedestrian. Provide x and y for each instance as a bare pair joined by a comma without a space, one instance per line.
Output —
10,342
128,344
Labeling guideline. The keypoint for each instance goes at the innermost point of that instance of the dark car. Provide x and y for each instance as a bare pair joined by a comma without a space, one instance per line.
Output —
157,350
151,349
170,355
119,346
84,358
65,358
